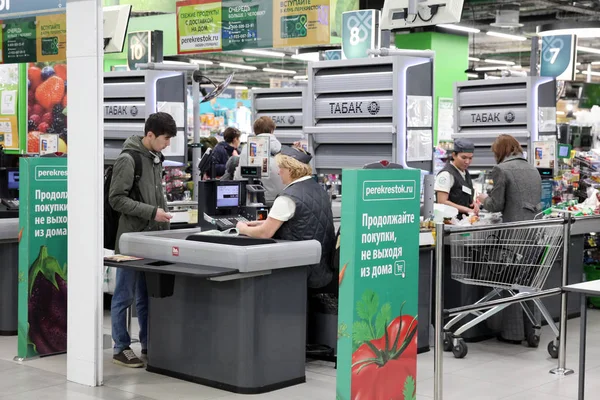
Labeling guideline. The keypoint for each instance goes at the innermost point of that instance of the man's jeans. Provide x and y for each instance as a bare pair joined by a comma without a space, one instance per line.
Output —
129,283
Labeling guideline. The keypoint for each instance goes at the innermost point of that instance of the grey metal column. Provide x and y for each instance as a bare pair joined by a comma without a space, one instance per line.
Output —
196,150
534,59
582,346
438,384
562,340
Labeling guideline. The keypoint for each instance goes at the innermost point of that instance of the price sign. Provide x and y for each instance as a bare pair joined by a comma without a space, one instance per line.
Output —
558,57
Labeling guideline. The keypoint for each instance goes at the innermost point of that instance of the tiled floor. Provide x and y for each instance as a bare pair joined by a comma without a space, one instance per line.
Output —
491,371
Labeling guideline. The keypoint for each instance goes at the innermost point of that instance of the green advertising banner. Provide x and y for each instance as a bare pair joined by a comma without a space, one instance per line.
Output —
34,39
198,26
42,257
210,25
19,41
245,24
379,277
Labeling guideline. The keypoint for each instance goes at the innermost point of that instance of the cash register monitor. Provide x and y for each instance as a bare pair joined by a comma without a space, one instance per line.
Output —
228,195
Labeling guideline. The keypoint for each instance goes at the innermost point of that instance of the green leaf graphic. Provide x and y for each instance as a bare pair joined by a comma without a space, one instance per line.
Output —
410,389
383,319
361,332
367,306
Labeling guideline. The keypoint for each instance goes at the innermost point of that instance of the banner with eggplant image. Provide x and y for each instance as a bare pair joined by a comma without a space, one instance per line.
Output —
42,257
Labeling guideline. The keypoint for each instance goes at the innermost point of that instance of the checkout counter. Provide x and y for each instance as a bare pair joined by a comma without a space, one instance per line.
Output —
225,311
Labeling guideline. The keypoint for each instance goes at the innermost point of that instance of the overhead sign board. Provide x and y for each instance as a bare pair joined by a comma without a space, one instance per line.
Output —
558,57
25,8
227,25
360,33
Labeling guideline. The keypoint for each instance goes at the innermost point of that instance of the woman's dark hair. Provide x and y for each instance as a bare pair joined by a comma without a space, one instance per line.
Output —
506,146
161,123
231,134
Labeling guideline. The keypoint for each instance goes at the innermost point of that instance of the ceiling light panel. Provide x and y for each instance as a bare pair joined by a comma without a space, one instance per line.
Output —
506,36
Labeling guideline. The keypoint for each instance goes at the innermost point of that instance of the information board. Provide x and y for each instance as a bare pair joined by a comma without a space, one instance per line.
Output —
379,279
212,26
34,39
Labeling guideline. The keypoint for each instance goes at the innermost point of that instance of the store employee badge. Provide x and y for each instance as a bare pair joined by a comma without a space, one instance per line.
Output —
467,190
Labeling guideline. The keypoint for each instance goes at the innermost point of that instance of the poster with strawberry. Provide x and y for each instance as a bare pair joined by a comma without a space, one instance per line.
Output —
378,285
47,104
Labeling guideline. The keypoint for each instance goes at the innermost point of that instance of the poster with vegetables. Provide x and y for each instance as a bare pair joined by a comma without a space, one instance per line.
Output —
9,94
379,277
47,104
42,257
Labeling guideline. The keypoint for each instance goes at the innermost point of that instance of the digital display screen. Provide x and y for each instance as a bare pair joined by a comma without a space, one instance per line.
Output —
228,196
398,15
249,171
13,180
564,151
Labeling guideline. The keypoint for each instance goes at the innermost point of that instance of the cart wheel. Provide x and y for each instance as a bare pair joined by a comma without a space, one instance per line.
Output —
553,349
447,342
533,340
460,350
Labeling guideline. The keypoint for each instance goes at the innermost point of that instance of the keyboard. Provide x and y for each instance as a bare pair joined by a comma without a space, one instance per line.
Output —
228,223
11,204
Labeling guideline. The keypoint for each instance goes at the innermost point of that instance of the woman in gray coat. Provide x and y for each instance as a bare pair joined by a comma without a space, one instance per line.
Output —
517,193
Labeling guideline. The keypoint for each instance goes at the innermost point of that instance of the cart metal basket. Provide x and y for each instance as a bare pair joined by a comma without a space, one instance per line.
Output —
512,260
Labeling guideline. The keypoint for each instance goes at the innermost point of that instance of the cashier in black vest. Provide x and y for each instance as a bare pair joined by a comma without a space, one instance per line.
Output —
301,212
453,184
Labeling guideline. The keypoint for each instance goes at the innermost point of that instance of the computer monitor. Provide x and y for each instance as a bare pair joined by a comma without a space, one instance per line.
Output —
13,180
228,195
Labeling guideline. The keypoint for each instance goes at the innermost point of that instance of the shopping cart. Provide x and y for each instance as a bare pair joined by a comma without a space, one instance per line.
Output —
510,259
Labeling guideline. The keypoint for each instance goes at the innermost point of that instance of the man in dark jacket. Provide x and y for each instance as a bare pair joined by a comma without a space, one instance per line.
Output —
301,212
147,214
225,149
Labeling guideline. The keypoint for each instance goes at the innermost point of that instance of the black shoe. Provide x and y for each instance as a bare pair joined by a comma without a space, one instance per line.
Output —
127,358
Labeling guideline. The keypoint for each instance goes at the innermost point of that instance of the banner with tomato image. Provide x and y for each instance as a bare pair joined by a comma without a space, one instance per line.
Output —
379,279
47,107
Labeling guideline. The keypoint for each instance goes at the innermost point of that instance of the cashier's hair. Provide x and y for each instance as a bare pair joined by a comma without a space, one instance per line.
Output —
161,123
264,125
297,169
506,146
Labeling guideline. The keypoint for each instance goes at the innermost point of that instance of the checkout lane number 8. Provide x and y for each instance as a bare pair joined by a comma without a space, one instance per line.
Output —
553,50
359,28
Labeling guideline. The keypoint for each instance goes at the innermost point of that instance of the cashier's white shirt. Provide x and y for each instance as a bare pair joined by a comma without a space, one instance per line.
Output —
284,207
444,181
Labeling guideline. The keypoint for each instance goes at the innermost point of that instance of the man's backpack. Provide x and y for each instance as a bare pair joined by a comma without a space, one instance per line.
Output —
111,217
